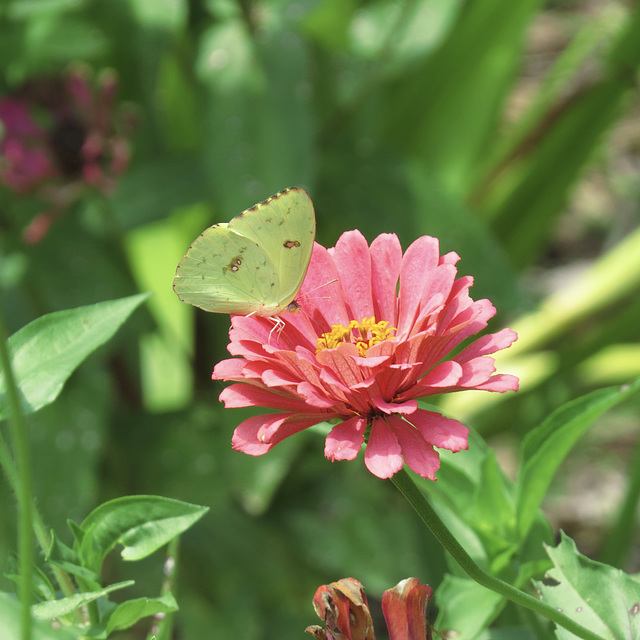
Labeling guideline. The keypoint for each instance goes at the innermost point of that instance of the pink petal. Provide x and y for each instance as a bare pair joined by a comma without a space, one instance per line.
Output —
313,398
488,344
403,408
321,294
446,374
476,372
449,258
418,454
341,361
276,431
386,262
353,262
442,432
500,382
421,257
383,455
345,439
229,369
256,435
245,437
240,395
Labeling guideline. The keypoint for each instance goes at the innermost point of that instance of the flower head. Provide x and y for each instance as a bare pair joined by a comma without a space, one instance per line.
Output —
343,607
376,332
58,135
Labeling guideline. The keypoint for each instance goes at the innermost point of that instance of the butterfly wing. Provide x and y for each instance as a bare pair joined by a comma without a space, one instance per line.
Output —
284,226
225,272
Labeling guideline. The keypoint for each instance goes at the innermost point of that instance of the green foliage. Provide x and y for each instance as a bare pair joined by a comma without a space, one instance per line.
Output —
48,350
597,595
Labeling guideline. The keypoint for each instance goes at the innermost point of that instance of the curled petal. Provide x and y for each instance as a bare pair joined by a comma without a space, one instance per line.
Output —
442,432
488,344
418,453
345,439
258,434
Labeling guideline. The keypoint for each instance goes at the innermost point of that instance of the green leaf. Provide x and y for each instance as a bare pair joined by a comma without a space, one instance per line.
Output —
534,190
444,112
48,350
596,595
10,623
465,607
56,608
546,446
141,524
42,587
128,613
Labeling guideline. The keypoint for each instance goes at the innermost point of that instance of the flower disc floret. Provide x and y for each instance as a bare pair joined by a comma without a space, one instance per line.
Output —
363,334
376,331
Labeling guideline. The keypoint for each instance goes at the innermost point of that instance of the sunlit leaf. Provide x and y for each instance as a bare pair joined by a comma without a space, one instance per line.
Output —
141,524
597,596
48,350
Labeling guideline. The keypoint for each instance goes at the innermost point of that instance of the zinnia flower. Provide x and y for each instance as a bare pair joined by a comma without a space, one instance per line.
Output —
375,332
58,136
343,606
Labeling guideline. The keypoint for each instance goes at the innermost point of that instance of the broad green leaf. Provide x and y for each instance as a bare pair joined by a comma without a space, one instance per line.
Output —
48,350
128,613
597,596
546,446
56,608
141,524
10,623
465,607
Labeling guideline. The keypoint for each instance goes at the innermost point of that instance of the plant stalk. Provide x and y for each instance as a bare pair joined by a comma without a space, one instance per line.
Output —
21,475
419,502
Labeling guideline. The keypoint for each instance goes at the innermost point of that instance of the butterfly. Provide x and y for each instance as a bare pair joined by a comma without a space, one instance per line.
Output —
254,264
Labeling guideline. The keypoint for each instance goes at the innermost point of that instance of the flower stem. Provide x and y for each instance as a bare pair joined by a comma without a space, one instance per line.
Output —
21,475
419,502
40,530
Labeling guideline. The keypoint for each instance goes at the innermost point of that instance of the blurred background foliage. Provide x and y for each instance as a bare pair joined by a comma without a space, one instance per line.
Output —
509,130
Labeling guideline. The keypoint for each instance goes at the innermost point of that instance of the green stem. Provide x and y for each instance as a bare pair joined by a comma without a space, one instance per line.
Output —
21,475
41,532
419,502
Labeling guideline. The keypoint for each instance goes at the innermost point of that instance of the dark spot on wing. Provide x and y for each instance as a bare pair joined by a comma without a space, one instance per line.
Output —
289,244
234,265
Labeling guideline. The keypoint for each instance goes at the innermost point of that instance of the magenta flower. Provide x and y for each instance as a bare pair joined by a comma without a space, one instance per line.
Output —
376,332
59,136
344,609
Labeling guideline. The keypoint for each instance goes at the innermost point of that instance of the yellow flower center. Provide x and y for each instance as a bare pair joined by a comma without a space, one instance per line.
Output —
363,334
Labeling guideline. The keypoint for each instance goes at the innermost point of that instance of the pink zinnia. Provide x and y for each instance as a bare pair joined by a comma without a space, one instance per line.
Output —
375,333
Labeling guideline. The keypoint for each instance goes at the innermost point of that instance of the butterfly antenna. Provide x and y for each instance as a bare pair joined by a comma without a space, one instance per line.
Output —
320,287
